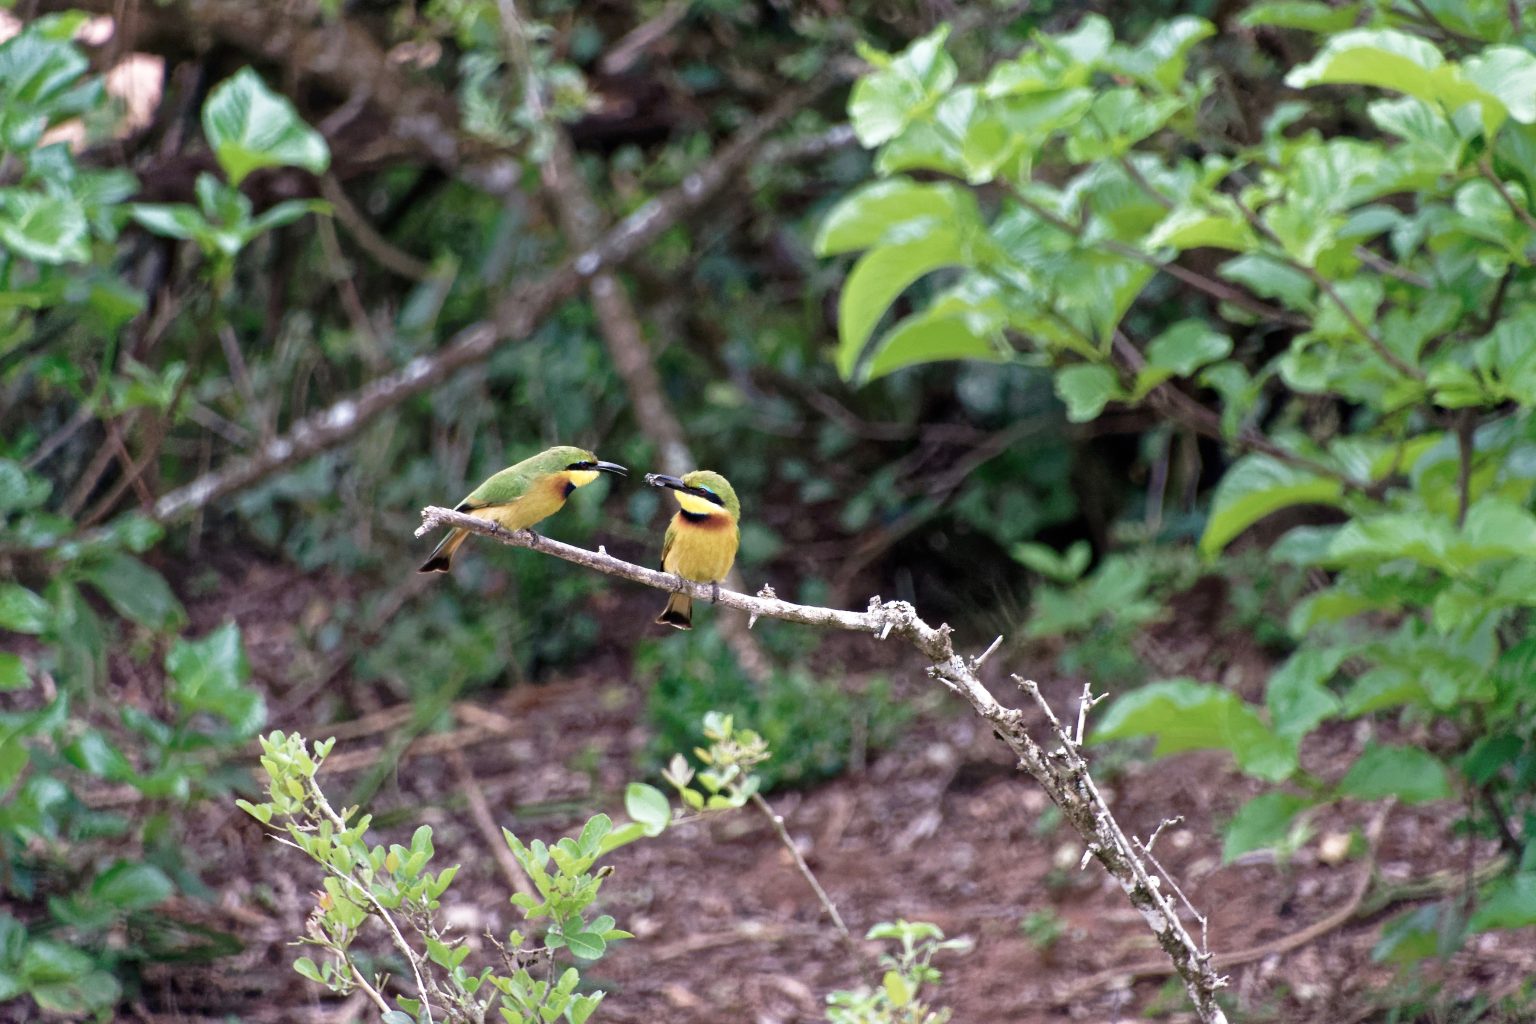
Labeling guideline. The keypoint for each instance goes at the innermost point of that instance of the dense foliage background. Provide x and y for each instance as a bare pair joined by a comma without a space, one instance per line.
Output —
1110,328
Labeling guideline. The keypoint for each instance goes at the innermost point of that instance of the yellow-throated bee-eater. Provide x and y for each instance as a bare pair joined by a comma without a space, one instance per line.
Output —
521,495
701,538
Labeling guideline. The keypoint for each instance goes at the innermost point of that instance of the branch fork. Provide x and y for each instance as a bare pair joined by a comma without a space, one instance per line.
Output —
1063,773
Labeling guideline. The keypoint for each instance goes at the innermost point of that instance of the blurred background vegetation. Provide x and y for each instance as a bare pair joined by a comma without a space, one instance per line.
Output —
274,279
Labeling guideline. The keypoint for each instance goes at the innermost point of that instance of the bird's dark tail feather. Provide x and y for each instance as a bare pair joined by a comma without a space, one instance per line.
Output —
442,555
678,613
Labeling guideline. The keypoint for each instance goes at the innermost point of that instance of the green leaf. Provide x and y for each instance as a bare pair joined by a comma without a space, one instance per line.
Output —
649,806
92,752
46,228
1380,57
1262,823
1416,936
881,275
285,212
963,322
13,671
897,989
210,675
250,127
587,945
868,215
22,611
1297,696
1507,73
1186,715
1257,486
135,591
1187,346
1506,903
886,100
1411,774
129,886
1307,15
173,220
1086,388
1196,227
1161,58
47,961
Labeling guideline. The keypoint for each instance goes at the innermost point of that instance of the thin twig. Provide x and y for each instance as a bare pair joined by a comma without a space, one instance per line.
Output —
777,821
1325,286
1517,208
362,983
1278,947
389,922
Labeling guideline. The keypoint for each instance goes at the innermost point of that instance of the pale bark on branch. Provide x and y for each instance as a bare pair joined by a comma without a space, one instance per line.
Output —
1059,767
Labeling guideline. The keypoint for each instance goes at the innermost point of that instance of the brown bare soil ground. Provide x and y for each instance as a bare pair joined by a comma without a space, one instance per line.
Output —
940,828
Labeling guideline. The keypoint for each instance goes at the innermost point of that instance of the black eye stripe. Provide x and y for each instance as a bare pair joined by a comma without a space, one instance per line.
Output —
582,465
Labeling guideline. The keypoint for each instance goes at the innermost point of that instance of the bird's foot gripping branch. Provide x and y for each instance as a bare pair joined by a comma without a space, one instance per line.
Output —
1059,766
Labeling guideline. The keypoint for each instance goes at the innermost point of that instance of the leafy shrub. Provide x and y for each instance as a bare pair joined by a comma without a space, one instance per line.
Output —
812,725
1384,279
81,876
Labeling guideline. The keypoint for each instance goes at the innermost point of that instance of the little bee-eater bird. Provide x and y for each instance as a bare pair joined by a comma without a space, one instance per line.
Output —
521,495
701,538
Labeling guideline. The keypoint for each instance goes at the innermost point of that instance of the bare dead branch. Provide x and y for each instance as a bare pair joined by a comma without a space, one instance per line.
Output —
1062,772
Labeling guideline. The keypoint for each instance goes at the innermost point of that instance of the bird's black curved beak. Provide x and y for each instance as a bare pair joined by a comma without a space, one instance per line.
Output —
662,480
611,467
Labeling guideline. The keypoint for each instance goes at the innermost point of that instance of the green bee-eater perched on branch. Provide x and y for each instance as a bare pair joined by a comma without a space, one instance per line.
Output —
521,495
702,537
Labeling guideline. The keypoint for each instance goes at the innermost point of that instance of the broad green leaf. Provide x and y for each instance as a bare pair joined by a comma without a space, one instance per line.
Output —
210,675
19,490
965,321
1379,57
22,611
866,216
13,671
48,961
172,220
1186,715
1308,15
1411,774
135,591
881,275
1263,823
128,886
649,806
1190,227
1509,74
94,753
1270,279
1297,696
1187,346
587,945
1086,388
1506,903
249,127
285,212
46,228
1416,936
1257,486
1161,58
14,756
885,101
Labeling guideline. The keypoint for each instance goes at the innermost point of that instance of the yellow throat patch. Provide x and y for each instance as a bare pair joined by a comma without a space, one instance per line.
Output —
581,477
697,505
